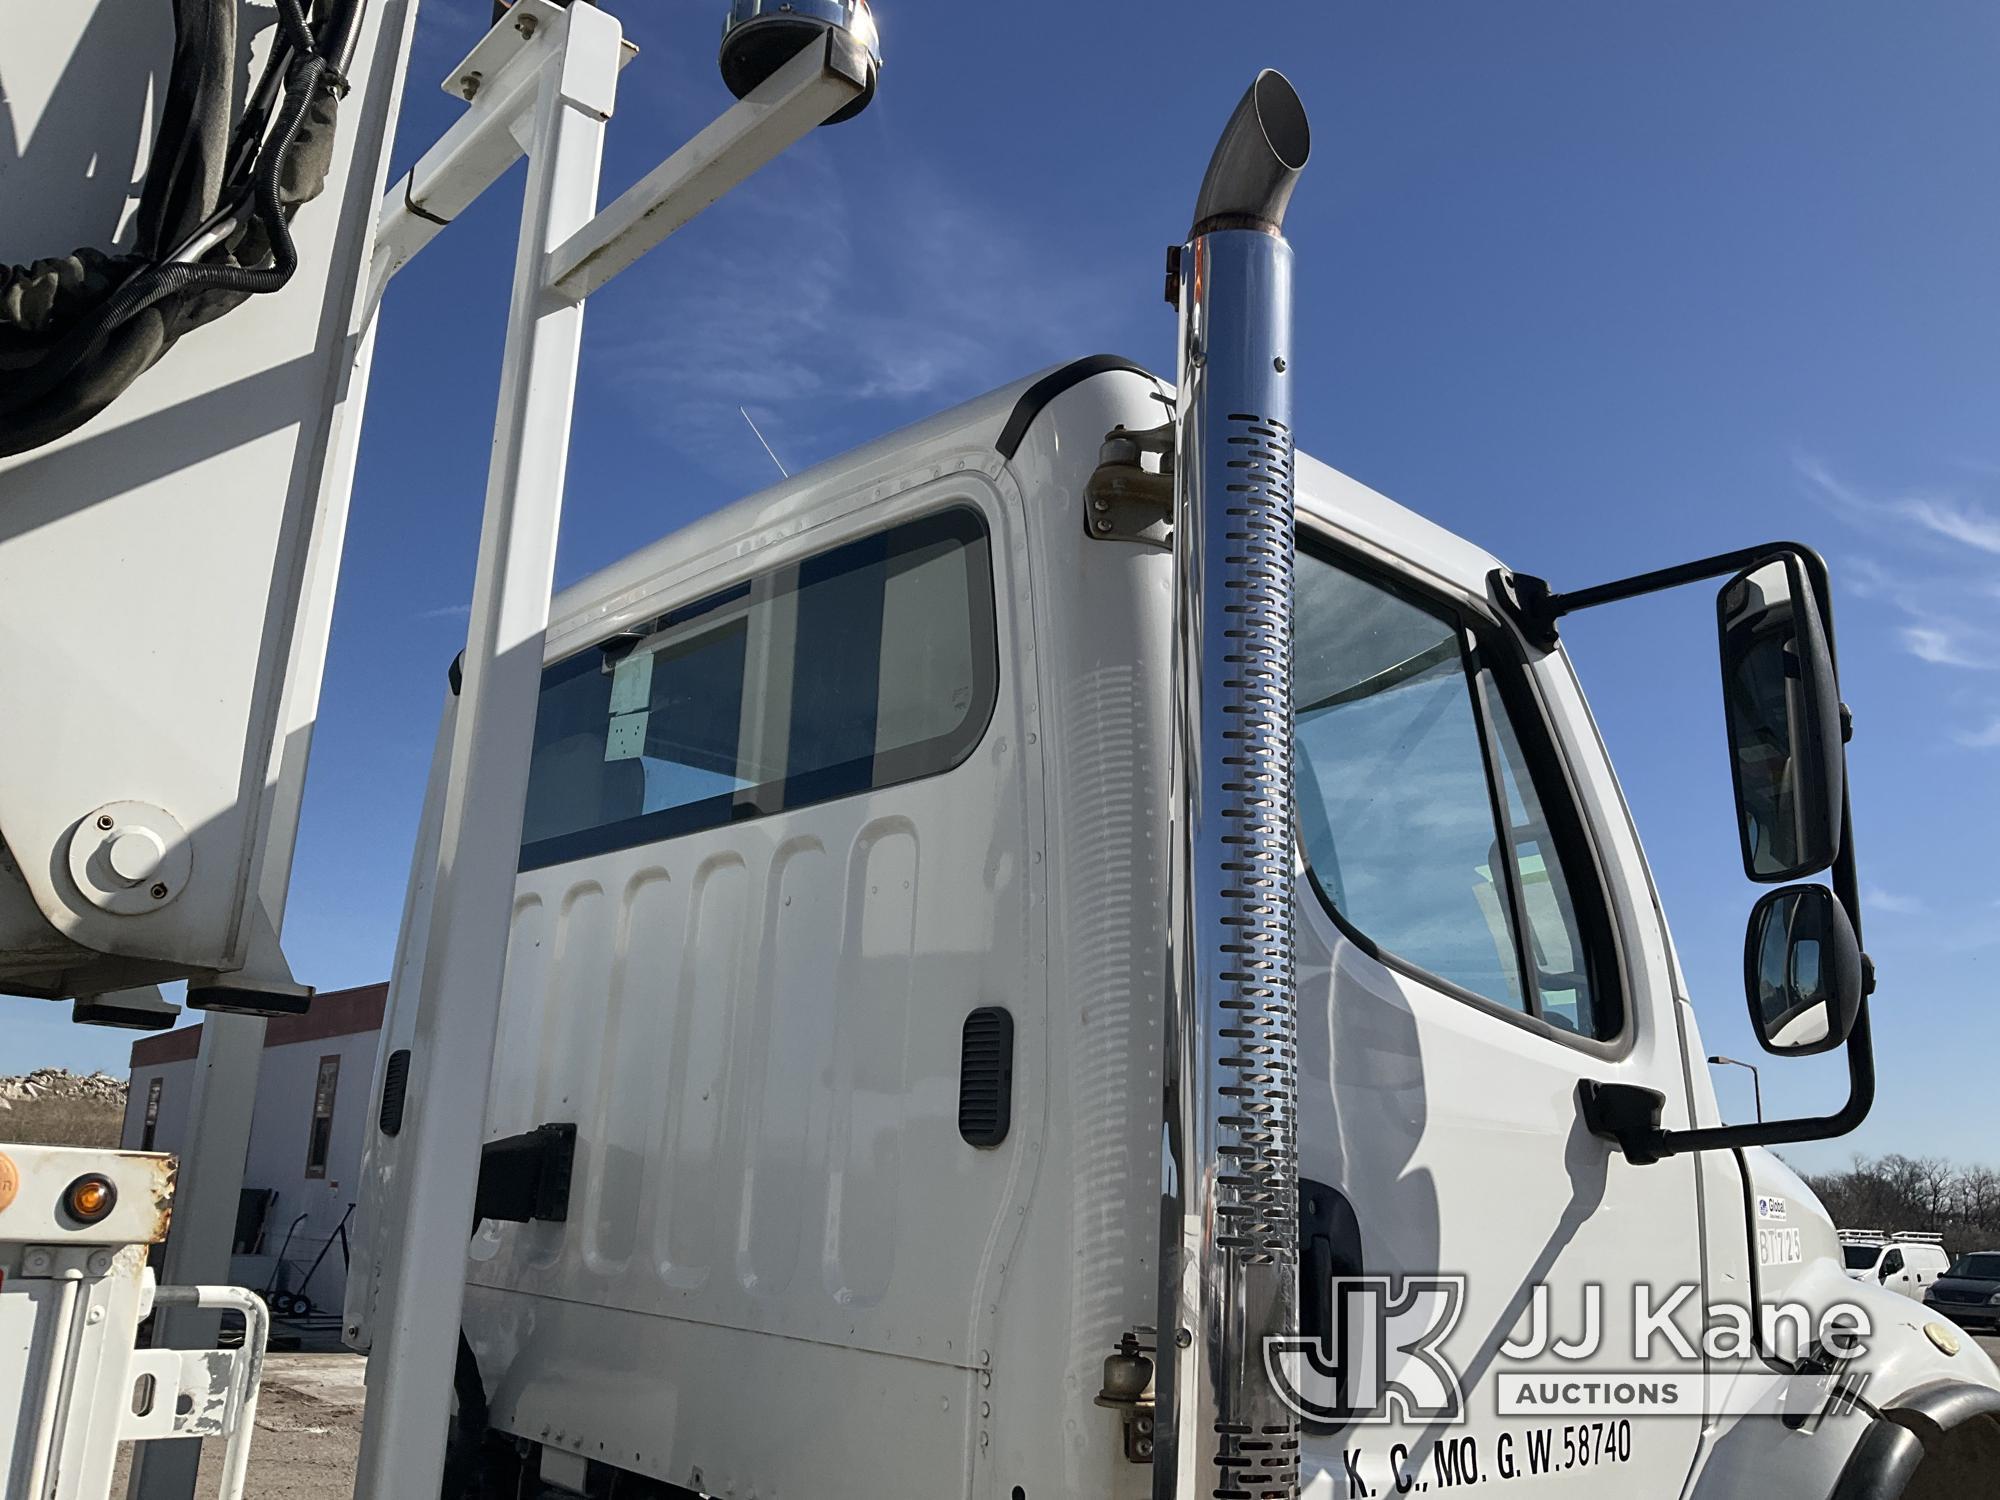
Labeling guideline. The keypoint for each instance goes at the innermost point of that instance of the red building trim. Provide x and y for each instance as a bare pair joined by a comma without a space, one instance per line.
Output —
335,1013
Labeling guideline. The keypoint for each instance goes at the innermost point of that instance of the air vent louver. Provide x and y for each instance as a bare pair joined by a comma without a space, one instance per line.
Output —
986,1076
395,1081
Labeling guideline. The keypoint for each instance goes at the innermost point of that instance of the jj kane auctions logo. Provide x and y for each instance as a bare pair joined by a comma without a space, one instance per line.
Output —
1385,1360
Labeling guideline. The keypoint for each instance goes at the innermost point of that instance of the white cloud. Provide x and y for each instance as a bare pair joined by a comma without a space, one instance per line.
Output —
906,293
1956,521
1950,608
1981,739
1948,644
1874,898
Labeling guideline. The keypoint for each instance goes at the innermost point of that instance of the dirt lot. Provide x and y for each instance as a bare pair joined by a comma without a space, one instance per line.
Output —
308,1431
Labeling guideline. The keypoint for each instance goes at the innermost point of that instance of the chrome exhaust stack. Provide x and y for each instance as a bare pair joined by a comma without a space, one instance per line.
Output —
1229,1276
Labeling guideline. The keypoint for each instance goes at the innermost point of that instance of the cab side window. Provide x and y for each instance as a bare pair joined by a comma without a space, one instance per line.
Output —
1424,826
860,667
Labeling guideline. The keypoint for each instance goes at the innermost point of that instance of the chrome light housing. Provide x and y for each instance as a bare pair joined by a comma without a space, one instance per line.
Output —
761,36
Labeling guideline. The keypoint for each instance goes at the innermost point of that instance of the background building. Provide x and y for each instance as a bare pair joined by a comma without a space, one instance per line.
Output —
302,1175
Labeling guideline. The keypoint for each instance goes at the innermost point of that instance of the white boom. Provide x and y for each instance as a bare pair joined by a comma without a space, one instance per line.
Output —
166,584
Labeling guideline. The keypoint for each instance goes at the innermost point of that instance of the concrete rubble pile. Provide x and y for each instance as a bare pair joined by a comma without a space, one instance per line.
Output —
60,1083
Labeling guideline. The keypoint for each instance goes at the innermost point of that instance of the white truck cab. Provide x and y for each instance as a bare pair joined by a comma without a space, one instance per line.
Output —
839,940
1074,951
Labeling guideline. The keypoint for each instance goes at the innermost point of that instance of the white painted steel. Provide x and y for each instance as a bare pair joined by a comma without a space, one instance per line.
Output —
711,1043
161,569
54,1395
1453,1132
71,1298
478,147
211,1181
221,1385
790,103
379,1207
422,1276
756,1029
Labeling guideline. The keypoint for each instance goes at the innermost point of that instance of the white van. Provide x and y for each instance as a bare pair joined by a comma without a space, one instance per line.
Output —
1904,1262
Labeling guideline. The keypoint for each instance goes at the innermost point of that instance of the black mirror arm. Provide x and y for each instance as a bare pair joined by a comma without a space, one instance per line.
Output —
1535,608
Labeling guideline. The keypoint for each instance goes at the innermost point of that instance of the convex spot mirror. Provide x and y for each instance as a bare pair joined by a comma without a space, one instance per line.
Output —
1802,967
1783,709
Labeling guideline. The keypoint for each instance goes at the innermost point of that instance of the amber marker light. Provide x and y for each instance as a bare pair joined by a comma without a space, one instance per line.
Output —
89,1198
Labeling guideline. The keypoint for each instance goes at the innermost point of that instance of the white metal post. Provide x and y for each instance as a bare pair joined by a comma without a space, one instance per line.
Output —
205,1194
423,1276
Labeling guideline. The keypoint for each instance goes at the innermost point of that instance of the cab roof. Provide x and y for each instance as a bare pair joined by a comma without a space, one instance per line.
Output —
998,421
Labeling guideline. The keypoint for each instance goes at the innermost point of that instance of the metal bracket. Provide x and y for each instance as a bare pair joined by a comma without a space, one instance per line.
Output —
1123,501
1624,1113
1524,599
201,1393
1128,1390
264,986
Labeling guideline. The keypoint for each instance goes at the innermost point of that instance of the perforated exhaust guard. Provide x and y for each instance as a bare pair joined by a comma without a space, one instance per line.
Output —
1230,1213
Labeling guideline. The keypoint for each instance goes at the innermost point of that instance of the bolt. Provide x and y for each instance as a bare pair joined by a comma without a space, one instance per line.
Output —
469,85
37,1262
1100,504
95,1316
1278,364
1182,1338
526,25
104,820
159,890
100,1262
1100,527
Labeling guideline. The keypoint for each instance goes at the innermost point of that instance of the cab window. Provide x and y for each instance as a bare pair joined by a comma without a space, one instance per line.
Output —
866,665
1425,827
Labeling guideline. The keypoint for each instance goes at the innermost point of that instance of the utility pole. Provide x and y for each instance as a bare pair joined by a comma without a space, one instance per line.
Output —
1756,1083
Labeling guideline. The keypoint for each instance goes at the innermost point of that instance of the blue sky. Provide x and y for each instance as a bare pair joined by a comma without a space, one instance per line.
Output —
1602,287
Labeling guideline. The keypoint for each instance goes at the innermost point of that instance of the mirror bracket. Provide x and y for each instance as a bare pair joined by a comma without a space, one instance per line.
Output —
1526,600
1627,1114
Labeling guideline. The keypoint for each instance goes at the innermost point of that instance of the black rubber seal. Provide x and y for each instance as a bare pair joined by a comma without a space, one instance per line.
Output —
1052,385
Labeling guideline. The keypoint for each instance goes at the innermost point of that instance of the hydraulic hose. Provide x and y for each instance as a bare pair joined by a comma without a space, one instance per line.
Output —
76,332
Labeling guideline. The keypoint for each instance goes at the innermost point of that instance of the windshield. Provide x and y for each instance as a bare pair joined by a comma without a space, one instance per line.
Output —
1982,1267
1860,1257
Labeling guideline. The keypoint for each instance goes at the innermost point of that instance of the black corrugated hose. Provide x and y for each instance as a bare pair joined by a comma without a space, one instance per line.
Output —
213,223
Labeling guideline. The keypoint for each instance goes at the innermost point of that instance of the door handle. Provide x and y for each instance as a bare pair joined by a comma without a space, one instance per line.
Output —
1329,1248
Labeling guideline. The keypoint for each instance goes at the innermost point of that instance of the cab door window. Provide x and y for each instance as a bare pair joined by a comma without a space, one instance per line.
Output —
1425,829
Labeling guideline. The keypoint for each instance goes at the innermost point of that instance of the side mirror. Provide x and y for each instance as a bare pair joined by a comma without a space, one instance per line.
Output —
1783,708
1802,967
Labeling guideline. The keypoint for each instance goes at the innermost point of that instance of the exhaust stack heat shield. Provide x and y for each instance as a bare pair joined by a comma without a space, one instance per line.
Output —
1229,1264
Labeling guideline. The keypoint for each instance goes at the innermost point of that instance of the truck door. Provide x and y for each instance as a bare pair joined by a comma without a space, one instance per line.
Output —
1895,1273
1475,939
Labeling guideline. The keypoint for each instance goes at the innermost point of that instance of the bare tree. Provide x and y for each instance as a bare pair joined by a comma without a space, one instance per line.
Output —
1897,1192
